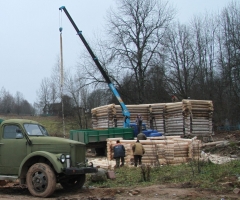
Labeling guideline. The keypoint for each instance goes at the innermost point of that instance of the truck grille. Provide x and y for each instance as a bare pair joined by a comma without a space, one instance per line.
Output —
78,155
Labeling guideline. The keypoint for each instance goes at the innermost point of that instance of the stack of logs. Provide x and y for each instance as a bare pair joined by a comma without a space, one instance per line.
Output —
161,150
201,118
141,109
174,119
103,116
188,117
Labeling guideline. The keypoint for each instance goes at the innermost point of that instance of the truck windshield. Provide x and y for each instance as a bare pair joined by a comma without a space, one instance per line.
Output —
35,130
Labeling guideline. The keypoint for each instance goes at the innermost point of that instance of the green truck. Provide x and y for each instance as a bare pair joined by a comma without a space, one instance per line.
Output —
96,138
39,161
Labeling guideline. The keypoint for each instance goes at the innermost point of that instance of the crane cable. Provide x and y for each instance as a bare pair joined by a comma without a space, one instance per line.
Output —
61,72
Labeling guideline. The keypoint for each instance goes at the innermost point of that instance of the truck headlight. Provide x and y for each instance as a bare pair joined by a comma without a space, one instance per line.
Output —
62,158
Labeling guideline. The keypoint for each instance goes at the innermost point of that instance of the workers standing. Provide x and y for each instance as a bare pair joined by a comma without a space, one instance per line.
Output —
119,154
139,123
141,136
138,151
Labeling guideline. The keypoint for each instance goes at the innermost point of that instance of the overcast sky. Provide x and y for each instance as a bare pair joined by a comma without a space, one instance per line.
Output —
29,36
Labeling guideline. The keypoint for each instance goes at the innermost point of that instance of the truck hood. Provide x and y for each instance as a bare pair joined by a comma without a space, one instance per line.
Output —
53,140
54,144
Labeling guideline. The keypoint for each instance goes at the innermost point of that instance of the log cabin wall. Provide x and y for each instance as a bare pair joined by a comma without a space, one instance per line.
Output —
162,150
188,117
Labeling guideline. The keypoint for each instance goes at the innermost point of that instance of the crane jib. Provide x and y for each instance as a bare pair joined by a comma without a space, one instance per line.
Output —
125,111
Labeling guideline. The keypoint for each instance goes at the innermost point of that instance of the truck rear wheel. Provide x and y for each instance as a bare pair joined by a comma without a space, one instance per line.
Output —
41,180
73,182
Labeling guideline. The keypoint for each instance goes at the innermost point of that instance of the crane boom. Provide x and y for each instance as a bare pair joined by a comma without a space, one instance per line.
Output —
125,111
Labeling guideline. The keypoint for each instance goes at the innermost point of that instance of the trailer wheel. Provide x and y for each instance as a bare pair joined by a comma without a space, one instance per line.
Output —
73,182
41,180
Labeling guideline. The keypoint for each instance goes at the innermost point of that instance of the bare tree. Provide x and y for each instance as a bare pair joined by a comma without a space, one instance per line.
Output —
74,86
229,52
203,35
44,95
18,102
7,102
27,108
135,31
181,60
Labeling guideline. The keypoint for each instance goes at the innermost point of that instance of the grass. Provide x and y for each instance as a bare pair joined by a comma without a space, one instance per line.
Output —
210,176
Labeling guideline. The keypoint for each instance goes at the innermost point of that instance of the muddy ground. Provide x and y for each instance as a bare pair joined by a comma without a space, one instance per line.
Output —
165,192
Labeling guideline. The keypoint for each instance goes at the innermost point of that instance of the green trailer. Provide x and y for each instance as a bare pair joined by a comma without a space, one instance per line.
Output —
96,138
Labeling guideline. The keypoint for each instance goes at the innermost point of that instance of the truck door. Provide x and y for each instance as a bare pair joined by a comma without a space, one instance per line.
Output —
13,148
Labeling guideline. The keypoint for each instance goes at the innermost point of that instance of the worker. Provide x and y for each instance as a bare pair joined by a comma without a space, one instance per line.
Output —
138,151
141,136
139,123
119,154
174,98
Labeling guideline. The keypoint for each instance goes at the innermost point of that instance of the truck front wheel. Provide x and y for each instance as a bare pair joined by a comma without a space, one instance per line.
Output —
41,180
73,182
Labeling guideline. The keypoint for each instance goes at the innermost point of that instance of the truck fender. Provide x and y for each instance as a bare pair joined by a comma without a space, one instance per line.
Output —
52,158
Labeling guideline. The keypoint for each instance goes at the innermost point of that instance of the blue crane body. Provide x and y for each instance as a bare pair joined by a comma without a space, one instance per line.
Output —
125,111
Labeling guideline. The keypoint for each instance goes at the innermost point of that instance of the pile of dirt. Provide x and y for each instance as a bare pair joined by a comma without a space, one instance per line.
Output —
230,147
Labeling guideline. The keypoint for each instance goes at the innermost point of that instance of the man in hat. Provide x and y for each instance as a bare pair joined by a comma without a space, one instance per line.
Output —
141,136
138,151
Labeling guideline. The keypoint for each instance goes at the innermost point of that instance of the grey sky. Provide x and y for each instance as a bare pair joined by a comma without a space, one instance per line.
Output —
29,36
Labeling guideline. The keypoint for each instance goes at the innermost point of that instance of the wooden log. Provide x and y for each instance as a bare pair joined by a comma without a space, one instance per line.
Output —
214,143
149,142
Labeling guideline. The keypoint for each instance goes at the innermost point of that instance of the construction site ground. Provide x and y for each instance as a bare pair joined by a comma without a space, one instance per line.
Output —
12,190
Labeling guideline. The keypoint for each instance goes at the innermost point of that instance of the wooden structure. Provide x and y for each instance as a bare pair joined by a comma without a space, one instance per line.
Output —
160,150
188,117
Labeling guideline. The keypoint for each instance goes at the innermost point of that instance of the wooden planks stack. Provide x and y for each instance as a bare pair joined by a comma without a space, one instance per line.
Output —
188,117
161,150
156,111
103,116
141,109
174,119
201,113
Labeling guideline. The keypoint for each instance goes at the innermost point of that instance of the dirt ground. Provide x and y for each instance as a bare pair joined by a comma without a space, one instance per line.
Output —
164,192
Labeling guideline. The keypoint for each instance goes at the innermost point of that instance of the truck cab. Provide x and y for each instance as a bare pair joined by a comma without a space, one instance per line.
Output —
39,161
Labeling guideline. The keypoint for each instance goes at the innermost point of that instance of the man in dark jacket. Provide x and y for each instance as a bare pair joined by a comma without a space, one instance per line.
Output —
139,123
141,136
119,153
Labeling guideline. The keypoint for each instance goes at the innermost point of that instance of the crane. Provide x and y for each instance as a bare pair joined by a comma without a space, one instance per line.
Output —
125,111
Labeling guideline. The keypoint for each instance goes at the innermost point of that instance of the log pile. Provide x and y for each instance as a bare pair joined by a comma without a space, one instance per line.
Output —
103,116
201,113
141,109
156,114
174,119
160,150
188,117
